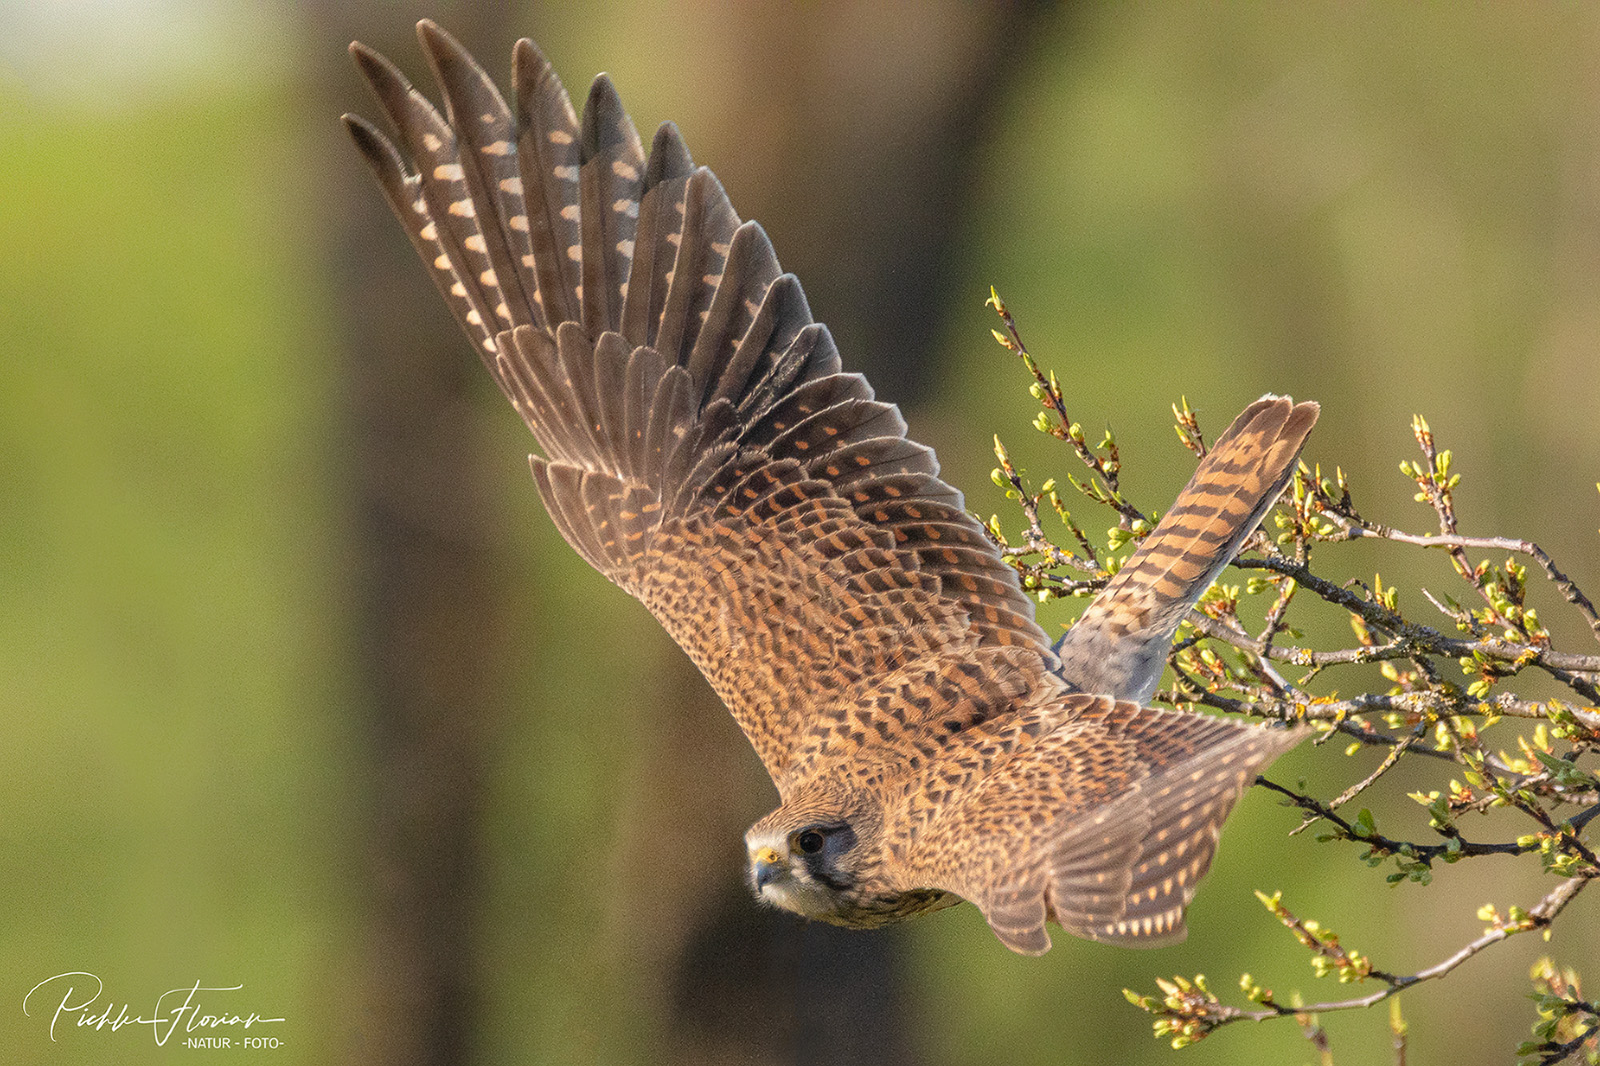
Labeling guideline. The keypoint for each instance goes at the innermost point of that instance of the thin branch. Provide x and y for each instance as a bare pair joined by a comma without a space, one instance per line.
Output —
1569,591
1553,1052
1038,543
1422,637
1216,630
1423,853
1543,913
1384,767
1540,917
1048,392
1423,704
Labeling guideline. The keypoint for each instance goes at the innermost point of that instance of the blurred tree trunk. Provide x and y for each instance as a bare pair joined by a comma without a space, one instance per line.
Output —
429,620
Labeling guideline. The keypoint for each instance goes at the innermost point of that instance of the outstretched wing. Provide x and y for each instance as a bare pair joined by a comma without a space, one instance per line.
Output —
702,447
1119,645
1105,824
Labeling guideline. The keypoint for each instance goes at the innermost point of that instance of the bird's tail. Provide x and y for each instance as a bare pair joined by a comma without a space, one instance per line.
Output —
1119,645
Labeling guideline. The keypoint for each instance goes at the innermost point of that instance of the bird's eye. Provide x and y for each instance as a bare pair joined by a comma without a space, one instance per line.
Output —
810,841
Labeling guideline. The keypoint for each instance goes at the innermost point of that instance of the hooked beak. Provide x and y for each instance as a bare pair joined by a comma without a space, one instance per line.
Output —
766,866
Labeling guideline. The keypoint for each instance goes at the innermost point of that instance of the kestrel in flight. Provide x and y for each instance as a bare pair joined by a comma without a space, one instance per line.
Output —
703,449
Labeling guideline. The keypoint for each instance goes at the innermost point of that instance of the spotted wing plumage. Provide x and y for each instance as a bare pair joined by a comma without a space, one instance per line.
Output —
1104,823
701,446
1119,645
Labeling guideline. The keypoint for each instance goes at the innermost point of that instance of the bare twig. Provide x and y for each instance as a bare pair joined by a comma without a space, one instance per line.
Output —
1356,530
1190,1010
1047,390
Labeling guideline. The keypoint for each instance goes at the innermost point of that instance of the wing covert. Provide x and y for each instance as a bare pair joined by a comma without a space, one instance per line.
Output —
1104,823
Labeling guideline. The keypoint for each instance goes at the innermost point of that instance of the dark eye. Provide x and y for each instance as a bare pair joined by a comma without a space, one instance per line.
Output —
810,841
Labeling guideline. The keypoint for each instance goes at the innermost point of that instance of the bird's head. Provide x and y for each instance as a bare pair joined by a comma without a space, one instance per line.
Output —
810,859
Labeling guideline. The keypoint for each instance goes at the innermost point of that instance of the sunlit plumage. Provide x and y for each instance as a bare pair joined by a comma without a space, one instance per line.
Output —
703,449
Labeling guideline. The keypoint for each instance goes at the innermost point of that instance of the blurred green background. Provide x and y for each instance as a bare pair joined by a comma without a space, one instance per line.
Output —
1391,209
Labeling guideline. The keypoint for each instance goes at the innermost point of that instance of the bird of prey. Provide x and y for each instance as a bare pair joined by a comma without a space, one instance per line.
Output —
703,449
